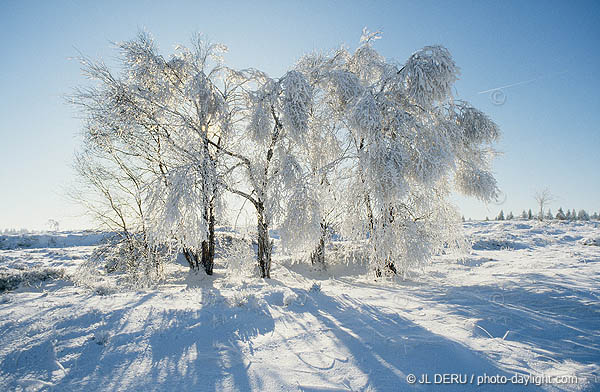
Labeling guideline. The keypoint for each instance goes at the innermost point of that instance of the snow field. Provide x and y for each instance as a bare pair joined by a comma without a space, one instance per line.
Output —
524,301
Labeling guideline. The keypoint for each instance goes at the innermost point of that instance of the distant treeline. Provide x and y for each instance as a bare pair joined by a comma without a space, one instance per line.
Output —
571,215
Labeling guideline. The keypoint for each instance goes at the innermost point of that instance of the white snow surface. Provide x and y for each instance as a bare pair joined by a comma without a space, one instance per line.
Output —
524,301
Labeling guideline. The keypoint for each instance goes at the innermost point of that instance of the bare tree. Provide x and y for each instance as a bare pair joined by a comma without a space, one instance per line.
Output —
543,198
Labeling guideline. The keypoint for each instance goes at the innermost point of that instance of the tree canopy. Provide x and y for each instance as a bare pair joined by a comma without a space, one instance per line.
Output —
344,142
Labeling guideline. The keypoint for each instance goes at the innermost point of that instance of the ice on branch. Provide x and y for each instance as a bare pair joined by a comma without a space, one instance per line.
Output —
345,143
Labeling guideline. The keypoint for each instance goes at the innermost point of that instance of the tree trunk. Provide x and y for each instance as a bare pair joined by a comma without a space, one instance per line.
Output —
317,257
192,259
389,269
206,258
264,245
389,266
208,246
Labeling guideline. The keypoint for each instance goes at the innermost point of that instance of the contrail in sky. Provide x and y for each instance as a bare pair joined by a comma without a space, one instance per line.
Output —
520,83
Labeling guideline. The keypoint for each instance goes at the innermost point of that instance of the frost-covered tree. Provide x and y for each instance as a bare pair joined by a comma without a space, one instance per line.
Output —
549,215
111,189
529,214
572,214
500,216
407,138
315,209
595,216
510,216
346,140
560,215
543,198
153,135
583,215
524,215
274,171
53,225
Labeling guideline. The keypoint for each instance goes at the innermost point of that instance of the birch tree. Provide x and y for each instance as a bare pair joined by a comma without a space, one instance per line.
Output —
408,139
346,140
162,124
543,198
274,123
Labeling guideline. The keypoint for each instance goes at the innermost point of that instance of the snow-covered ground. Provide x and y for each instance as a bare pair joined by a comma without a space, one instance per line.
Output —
525,302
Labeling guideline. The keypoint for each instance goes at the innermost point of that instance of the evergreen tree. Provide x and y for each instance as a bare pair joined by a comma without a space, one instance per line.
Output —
583,215
500,216
529,214
560,215
510,216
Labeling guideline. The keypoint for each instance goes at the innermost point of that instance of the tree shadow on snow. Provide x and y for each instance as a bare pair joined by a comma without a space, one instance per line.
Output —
388,347
143,348
558,321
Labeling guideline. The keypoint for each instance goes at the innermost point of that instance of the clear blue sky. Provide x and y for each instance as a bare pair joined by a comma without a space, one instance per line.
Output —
550,125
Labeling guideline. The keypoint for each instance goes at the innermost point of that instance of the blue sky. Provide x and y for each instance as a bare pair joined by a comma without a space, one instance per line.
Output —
550,125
